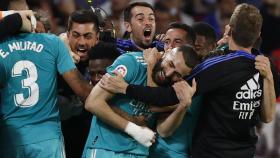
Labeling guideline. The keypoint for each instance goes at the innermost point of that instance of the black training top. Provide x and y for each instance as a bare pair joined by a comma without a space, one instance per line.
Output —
232,92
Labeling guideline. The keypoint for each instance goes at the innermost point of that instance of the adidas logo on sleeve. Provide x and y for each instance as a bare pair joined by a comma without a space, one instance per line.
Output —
248,98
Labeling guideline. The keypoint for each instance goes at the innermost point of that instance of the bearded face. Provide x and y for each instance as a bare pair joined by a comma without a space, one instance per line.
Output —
158,75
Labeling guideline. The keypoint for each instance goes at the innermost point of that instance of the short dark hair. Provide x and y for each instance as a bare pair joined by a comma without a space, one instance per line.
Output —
245,25
190,32
103,50
190,56
127,12
83,17
206,30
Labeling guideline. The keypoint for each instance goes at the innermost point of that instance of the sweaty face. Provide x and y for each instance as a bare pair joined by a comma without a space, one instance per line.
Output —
175,38
142,26
97,68
81,38
170,69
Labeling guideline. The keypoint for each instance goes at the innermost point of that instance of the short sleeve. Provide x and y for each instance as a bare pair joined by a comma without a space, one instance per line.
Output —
126,65
64,61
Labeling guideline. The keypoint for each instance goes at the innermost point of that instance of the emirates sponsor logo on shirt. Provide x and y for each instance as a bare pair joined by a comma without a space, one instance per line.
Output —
141,60
248,98
140,109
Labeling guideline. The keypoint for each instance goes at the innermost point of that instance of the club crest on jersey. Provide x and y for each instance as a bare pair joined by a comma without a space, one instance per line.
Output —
121,69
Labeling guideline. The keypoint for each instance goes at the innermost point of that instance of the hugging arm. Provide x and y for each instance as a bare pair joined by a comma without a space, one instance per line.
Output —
97,104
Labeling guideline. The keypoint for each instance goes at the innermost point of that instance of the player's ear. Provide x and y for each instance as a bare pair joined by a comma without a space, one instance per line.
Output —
230,31
127,27
68,34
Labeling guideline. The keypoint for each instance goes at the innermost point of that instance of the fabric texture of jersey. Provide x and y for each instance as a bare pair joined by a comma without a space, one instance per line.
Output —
102,136
96,153
51,148
127,45
179,143
28,71
232,92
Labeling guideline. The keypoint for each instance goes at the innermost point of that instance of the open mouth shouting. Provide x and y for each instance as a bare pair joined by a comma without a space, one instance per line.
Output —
82,52
148,33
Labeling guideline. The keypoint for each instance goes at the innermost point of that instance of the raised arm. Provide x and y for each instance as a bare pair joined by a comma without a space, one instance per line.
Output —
151,56
268,107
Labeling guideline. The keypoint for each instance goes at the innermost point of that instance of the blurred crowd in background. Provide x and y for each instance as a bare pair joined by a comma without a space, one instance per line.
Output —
215,12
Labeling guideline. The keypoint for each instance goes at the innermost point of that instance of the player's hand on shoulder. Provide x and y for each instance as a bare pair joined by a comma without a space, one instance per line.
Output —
184,92
113,83
262,64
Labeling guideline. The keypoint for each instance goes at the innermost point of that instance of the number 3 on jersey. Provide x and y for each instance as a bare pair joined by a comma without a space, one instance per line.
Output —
28,83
